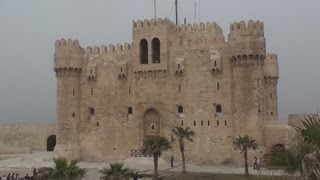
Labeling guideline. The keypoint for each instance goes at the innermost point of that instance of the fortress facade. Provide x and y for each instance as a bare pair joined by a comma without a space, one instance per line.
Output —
110,98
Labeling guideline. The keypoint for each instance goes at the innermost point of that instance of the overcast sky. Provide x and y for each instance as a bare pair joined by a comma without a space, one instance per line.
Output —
29,28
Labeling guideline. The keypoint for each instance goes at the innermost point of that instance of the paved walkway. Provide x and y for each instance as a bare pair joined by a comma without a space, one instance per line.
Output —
24,163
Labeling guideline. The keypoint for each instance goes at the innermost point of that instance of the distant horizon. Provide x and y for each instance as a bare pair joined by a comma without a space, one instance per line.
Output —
29,30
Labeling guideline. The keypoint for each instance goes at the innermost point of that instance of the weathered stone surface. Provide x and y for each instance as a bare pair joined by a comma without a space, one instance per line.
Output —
109,98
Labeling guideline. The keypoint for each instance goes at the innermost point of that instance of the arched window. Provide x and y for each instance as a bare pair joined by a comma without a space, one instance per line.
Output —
201,123
217,122
180,109
143,51
218,85
91,111
182,123
130,110
225,122
194,123
218,108
155,50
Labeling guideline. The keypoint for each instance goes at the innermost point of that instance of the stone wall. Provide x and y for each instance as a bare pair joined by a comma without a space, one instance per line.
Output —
24,138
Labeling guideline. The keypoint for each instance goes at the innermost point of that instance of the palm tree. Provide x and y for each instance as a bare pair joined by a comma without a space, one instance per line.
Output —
115,172
154,145
182,134
65,170
302,159
245,143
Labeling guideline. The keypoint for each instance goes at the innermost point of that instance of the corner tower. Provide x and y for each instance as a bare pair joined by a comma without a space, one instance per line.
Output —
67,65
271,76
247,51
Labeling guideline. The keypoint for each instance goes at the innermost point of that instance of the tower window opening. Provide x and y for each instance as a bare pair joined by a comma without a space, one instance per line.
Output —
179,87
129,90
217,122
218,85
98,124
130,110
178,65
225,122
271,95
194,123
271,113
218,108
208,123
73,115
121,69
201,123
155,50
215,63
73,92
180,109
90,71
182,123
91,111
143,51
152,126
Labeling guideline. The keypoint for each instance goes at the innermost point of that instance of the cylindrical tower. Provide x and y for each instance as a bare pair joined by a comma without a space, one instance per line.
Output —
271,76
67,65
247,49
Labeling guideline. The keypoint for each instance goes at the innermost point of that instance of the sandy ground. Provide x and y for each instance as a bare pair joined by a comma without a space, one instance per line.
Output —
24,163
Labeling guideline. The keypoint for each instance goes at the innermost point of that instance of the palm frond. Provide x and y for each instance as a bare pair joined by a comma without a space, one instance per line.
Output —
284,159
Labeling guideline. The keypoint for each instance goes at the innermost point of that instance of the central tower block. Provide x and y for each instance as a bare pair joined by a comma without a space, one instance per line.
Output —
150,45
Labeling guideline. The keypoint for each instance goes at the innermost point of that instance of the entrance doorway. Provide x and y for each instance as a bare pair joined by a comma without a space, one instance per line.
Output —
51,142
151,123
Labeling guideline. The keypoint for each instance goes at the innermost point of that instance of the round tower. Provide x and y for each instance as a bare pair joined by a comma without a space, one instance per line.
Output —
247,49
67,65
271,76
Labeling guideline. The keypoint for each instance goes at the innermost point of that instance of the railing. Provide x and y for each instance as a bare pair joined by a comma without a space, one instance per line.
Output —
138,153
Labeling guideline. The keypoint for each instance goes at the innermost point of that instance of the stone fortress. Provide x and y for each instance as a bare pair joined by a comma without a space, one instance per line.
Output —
110,98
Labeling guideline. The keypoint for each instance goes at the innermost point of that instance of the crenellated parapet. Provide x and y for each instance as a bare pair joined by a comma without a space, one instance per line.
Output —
247,39
271,69
239,30
110,49
68,57
201,27
139,24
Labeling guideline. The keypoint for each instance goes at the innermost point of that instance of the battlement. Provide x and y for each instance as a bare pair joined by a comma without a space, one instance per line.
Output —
201,26
69,43
68,54
241,28
110,49
151,23
271,68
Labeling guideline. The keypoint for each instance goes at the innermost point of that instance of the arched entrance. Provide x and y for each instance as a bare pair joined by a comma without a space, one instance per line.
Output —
51,142
151,123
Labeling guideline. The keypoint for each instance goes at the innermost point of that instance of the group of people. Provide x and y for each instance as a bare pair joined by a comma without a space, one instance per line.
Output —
16,176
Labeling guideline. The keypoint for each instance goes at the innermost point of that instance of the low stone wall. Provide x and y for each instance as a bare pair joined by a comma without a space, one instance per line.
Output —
25,138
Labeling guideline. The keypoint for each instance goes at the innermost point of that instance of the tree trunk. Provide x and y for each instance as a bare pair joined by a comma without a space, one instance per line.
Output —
155,161
183,161
246,171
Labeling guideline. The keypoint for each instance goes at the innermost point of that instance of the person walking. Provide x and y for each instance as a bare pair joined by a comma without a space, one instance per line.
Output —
171,160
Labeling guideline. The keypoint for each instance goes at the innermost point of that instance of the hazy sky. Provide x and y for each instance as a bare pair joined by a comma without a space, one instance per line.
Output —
29,28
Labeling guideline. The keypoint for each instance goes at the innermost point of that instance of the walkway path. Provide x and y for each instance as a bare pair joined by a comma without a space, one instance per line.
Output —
24,163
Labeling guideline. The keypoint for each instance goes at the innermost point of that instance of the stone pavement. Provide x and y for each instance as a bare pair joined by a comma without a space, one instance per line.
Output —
24,163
